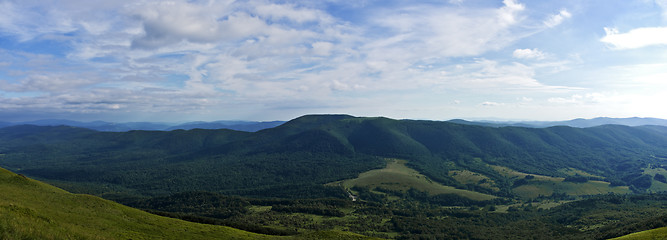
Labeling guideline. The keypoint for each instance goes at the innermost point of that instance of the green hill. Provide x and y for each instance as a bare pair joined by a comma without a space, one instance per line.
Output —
297,159
30,209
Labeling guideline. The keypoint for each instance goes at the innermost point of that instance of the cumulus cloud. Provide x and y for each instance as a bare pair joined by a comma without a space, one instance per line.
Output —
557,19
170,22
528,54
150,56
635,38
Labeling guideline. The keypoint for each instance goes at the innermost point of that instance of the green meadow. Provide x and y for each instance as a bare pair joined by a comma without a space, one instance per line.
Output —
397,176
536,185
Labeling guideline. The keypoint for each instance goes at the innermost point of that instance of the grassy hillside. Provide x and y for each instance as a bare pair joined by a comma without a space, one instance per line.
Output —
658,233
30,209
398,177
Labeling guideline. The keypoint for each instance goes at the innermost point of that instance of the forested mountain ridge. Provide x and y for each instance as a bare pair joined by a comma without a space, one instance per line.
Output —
302,176
297,158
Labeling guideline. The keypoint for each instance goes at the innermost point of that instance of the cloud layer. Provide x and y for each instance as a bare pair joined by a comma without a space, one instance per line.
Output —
242,59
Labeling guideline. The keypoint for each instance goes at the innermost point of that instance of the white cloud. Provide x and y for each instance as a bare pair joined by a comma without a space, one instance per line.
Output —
589,98
19,20
566,100
557,19
635,38
49,83
528,54
428,31
492,76
491,104
151,56
663,5
508,13
170,22
290,12
322,48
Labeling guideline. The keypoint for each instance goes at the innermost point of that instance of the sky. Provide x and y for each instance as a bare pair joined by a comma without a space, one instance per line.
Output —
173,61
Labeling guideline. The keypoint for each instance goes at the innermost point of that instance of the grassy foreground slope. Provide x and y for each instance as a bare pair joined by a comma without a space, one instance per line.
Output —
31,209
658,233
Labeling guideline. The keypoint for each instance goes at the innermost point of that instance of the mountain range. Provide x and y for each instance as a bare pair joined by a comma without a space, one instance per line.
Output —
253,126
305,153
371,175
579,122
248,126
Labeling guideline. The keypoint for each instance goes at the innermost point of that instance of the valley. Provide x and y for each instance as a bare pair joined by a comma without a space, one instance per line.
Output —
376,177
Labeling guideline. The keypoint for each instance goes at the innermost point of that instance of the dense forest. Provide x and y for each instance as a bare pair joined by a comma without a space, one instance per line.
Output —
303,175
598,217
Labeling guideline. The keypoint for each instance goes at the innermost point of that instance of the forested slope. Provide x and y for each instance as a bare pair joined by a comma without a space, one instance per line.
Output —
297,158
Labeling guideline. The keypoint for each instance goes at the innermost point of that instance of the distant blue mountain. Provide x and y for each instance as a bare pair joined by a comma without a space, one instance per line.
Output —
253,126
247,126
99,125
579,122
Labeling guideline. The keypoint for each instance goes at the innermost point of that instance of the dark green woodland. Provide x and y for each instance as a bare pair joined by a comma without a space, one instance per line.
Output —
408,178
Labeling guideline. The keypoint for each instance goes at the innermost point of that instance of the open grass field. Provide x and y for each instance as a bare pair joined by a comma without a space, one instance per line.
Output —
397,176
547,185
574,171
470,177
545,188
31,209
656,186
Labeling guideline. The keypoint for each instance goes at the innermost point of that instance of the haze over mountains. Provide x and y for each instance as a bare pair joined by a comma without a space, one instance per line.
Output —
579,122
247,126
253,126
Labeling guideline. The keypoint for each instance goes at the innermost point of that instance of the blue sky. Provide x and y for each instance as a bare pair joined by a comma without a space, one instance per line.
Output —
276,60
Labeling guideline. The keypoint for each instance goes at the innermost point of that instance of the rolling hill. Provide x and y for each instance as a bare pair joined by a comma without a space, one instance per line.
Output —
298,158
410,178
